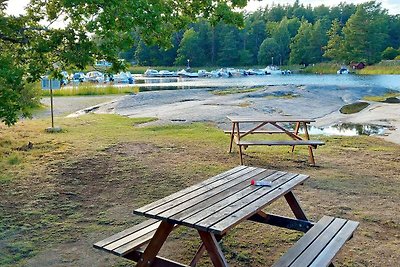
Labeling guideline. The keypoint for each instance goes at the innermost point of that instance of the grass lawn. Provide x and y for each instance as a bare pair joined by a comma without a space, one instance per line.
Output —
70,189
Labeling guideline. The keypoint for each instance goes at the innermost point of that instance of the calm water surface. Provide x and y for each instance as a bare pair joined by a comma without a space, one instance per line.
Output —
368,81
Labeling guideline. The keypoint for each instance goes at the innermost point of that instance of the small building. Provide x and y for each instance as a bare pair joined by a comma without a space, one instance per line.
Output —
357,65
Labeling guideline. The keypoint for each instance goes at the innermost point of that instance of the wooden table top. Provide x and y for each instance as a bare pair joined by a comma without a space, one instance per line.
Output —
268,119
219,203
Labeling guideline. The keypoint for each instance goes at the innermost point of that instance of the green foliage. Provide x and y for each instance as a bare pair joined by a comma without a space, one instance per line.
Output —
269,49
353,108
390,53
190,49
93,30
366,33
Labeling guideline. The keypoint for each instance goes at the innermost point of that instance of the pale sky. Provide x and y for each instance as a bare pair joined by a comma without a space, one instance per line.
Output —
16,7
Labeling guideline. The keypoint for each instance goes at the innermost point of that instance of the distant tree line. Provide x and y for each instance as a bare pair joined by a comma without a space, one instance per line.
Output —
282,34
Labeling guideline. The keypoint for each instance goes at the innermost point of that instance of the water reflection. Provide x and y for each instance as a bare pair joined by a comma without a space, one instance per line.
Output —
348,129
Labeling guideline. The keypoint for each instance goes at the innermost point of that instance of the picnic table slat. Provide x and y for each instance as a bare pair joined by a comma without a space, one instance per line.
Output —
198,207
203,191
322,240
199,220
301,244
215,193
125,233
236,212
335,244
255,119
281,142
176,195
138,235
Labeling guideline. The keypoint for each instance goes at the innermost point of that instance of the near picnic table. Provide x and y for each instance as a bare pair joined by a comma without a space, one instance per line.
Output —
258,124
215,206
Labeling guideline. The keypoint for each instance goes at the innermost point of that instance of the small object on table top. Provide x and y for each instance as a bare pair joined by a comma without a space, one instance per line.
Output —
261,183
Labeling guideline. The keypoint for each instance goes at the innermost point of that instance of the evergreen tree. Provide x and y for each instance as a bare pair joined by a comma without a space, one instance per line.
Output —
300,47
190,49
227,52
334,49
282,36
269,50
366,33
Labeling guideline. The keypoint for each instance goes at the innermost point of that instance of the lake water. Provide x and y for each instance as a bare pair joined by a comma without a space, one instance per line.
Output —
324,94
365,81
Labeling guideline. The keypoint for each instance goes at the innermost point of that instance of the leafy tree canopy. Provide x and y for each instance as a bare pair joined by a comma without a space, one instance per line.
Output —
31,46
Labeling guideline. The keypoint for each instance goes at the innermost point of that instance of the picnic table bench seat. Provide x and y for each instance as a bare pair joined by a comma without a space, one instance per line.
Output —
320,244
313,143
127,243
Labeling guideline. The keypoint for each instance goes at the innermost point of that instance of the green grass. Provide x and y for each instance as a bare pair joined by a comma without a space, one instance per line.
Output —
86,90
323,68
382,98
380,70
80,186
231,91
353,108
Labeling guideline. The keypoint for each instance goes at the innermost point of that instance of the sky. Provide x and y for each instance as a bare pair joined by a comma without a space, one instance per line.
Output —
16,7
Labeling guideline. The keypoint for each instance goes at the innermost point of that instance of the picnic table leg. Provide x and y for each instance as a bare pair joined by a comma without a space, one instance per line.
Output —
155,244
200,252
311,159
296,132
295,206
232,135
241,155
213,249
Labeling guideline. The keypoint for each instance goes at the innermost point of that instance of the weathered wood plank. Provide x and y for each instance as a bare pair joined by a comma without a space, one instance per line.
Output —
138,237
281,142
321,241
205,191
248,206
255,119
214,195
258,132
334,246
125,233
303,242
176,195
214,212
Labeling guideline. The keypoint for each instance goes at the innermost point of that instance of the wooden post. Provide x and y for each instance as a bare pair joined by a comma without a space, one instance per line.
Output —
155,244
311,159
296,132
213,249
295,206
232,135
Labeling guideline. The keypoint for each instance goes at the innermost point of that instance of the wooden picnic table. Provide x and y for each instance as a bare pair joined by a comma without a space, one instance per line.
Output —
215,206
278,124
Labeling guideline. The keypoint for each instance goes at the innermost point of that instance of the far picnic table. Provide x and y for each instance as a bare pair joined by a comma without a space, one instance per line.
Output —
278,124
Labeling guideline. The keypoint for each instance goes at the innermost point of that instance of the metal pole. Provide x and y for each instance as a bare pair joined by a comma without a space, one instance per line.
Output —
51,104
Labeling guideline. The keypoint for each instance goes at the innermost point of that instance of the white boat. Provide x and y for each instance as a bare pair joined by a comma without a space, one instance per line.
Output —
343,70
256,72
123,77
95,76
186,74
151,73
166,73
